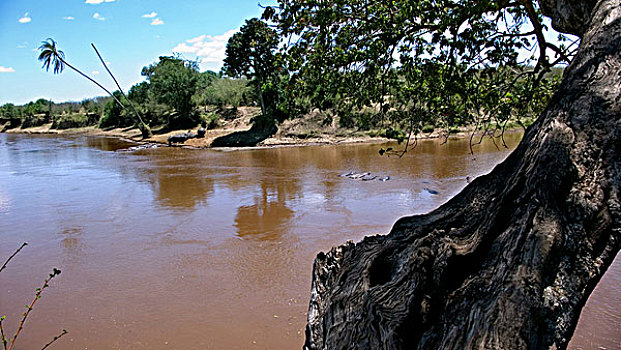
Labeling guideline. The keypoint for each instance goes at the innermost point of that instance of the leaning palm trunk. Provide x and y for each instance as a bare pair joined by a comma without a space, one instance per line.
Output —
51,56
93,81
509,262
144,128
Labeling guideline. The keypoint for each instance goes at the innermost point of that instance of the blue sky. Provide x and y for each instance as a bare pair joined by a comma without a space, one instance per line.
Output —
129,34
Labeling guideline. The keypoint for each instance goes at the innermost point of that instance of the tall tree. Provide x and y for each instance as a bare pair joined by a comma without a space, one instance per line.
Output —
9,111
51,56
509,262
173,81
250,54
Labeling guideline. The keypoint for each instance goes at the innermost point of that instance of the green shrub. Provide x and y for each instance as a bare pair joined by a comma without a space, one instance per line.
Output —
34,120
210,120
114,116
347,120
395,135
364,121
528,122
75,120
226,92
428,128
10,123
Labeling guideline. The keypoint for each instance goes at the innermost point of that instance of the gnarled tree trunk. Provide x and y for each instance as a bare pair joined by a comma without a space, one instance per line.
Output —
509,262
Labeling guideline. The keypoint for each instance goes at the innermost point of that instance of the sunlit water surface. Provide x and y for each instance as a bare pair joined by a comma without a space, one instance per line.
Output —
173,248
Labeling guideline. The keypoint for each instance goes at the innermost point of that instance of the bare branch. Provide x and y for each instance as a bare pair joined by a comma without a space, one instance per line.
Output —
560,52
11,257
538,29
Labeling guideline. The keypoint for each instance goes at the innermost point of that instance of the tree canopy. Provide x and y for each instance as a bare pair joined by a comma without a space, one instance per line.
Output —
173,81
250,54
452,61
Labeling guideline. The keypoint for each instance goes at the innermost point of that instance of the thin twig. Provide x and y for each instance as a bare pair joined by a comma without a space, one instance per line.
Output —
407,143
4,343
55,272
55,339
470,143
11,257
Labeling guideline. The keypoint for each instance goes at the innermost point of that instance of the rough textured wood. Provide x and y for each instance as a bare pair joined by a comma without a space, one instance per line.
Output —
568,16
509,262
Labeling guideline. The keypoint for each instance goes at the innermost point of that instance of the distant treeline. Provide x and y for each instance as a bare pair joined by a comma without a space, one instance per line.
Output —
175,95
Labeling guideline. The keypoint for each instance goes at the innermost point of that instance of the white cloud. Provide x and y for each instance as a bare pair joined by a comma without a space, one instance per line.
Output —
210,49
95,72
157,22
197,39
69,18
97,2
149,15
4,69
23,46
25,19
99,17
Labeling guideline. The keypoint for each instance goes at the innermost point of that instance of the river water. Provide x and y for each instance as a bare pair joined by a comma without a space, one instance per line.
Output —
175,248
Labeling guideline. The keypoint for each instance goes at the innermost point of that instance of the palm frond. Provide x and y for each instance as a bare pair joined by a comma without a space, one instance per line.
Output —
51,56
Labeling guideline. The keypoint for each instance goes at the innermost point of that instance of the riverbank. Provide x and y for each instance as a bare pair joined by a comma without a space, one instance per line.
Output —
134,135
308,130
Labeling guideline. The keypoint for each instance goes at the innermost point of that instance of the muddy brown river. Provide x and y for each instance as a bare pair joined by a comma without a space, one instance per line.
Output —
174,248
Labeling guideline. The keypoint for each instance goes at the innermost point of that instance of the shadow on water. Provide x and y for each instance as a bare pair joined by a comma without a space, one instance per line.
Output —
108,143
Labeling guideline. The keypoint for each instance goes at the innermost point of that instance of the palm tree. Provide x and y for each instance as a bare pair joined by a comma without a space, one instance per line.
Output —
51,56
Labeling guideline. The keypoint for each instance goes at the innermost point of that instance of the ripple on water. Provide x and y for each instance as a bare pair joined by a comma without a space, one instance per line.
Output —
201,247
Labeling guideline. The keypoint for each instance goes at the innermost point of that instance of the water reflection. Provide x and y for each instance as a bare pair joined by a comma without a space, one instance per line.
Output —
269,217
179,181
198,247
108,143
179,188
264,220
72,245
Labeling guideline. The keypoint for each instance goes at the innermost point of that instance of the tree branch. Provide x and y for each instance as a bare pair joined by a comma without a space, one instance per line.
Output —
11,257
55,339
538,29
4,342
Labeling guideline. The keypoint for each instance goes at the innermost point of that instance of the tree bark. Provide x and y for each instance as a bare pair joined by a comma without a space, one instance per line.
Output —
509,262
